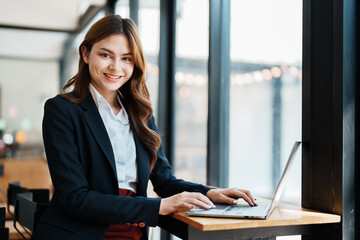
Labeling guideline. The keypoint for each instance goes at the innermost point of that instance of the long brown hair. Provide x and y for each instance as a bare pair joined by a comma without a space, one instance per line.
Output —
134,91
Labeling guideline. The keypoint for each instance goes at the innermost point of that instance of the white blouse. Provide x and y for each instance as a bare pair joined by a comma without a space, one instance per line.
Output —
121,138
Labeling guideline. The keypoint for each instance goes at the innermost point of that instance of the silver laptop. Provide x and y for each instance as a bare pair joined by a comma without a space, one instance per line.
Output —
243,210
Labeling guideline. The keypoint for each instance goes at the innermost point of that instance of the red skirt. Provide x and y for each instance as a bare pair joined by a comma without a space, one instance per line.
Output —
126,231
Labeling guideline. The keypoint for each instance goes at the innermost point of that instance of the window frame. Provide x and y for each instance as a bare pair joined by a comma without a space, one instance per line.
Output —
329,111
218,93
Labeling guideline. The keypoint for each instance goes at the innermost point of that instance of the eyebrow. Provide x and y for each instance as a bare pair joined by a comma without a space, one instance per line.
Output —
107,50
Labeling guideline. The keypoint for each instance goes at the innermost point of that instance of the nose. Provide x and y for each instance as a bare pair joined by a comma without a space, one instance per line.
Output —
116,65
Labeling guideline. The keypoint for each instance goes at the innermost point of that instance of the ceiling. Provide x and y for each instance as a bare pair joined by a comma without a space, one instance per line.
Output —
37,29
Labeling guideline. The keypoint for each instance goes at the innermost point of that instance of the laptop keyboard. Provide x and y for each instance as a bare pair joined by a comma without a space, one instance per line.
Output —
243,210
260,209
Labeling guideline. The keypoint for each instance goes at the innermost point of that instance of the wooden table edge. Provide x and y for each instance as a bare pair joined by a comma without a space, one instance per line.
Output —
255,223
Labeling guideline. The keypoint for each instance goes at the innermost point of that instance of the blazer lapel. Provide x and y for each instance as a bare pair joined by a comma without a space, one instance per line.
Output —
98,129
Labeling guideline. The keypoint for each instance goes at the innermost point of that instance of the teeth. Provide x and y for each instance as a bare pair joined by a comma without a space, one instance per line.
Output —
111,76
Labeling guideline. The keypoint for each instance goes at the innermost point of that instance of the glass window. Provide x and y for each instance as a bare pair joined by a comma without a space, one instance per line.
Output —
192,43
265,94
122,8
149,30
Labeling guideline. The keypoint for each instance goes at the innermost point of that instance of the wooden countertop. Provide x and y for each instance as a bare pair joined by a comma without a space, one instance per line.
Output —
281,216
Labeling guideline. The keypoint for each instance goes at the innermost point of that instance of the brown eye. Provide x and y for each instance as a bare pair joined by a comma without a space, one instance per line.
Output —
105,55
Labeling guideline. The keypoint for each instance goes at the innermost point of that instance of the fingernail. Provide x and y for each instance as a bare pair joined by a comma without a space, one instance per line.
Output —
235,202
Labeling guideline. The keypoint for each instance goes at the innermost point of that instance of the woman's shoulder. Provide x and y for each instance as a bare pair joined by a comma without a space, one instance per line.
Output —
62,100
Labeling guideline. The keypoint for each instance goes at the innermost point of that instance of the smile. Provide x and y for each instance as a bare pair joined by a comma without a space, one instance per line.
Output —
112,76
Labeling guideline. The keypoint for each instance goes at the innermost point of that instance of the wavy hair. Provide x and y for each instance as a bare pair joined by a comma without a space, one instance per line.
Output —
134,91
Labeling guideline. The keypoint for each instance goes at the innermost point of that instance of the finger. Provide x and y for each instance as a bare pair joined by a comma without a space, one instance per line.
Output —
246,198
230,195
203,198
228,200
200,203
238,193
250,196
186,207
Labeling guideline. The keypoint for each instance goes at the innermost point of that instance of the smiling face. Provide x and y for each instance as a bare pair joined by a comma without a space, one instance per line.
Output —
111,64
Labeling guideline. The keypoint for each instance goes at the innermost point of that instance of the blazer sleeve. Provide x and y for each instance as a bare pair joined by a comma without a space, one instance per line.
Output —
164,182
73,196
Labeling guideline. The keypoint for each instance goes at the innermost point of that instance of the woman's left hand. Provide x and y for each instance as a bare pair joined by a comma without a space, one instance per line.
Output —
230,196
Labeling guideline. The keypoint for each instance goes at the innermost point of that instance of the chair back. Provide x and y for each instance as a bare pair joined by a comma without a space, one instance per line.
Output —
29,205
28,212
4,231
13,190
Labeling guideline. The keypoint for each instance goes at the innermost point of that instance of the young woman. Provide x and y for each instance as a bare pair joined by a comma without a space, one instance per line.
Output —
102,147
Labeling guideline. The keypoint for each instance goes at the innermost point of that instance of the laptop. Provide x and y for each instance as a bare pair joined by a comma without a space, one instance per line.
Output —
243,210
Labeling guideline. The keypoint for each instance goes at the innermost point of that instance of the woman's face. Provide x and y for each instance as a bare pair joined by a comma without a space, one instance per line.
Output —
110,64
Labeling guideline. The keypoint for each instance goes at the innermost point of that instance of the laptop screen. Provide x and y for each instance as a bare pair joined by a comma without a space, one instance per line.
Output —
281,185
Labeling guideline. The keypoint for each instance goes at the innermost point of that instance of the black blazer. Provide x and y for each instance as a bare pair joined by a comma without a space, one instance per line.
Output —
81,161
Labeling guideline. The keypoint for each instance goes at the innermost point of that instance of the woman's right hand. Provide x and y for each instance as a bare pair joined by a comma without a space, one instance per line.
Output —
184,201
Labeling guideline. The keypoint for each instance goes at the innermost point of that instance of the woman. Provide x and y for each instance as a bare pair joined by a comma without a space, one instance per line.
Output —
102,147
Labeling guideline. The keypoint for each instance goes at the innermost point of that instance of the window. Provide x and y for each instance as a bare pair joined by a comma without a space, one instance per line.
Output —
265,94
191,90
149,30
122,8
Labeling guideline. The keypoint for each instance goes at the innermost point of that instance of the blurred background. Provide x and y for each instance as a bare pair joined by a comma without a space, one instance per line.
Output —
39,52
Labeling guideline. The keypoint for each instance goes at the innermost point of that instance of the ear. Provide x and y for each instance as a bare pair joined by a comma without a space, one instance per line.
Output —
85,54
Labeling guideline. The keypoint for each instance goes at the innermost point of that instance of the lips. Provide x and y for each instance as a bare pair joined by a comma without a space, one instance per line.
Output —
112,76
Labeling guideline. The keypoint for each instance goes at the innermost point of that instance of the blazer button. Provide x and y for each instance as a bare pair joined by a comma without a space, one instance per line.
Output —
135,225
141,224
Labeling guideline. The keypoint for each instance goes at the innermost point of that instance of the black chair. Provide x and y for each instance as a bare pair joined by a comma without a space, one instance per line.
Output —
4,231
28,211
39,195
29,204
13,190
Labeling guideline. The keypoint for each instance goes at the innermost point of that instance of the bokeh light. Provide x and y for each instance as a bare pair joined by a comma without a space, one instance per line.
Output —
8,139
20,137
2,124
276,72
266,74
26,124
258,77
13,112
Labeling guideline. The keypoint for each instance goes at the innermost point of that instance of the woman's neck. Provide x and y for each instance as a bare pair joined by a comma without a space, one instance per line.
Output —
113,102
